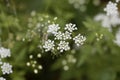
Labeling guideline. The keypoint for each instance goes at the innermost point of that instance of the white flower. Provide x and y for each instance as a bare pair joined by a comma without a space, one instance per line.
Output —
79,39
63,46
108,21
111,8
70,27
1,78
58,35
117,41
4,52
6,68
49,45
67,35
53,28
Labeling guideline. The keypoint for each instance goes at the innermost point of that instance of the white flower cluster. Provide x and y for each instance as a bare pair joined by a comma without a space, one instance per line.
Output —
4,52
117,41
60,41
63,46
111,8
53,28
6,68
108,21
112,19
79,40
49,45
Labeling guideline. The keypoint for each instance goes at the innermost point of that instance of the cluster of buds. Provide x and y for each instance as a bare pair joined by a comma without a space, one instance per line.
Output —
33,63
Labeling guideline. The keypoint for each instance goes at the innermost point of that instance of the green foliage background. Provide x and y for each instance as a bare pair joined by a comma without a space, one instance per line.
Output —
96,60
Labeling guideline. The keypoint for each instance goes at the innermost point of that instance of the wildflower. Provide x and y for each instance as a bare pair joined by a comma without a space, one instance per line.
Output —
63,46
49,45
4,52
111,8
53,28
70,27
6,68
79,39
108,21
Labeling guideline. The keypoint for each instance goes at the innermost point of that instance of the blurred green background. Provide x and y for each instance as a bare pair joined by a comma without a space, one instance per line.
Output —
95,60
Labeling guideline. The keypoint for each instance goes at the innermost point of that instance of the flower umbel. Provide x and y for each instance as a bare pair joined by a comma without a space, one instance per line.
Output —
49,45
63,46
70,27
79,39
4,52
6,68
67,35
58,35
111,8
53,28
62,38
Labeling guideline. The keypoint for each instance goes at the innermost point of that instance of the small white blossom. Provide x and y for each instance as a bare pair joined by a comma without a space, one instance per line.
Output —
79,39
63,46
6,68
111,8
1,78
59,35
67,35
53,28
70,27
4,52
49,45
